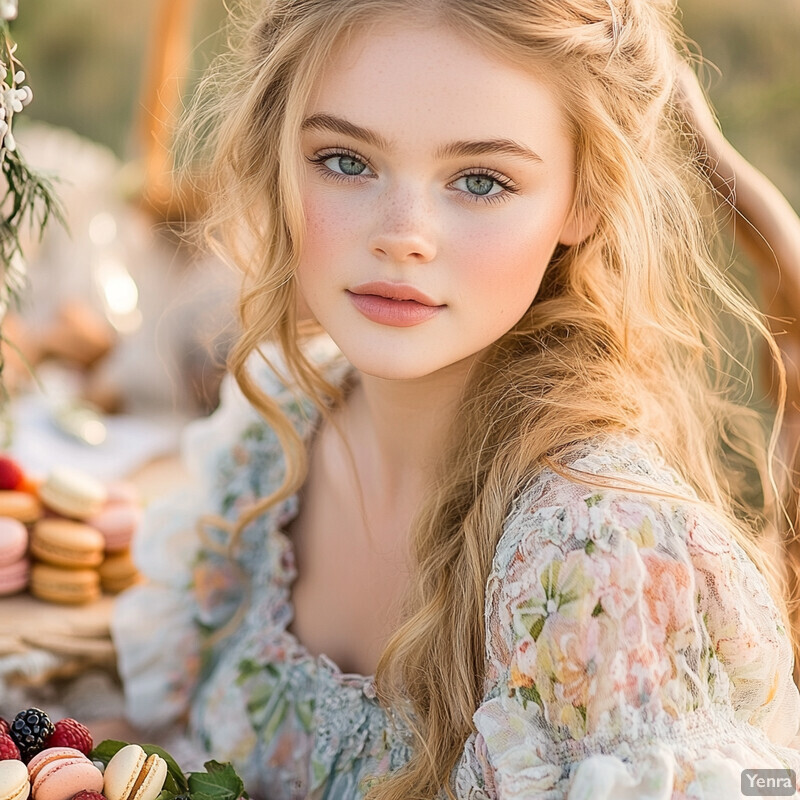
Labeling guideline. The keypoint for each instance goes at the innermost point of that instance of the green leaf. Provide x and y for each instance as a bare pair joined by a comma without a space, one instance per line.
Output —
166,795
530,693
218,782
176,782
106,750
536,628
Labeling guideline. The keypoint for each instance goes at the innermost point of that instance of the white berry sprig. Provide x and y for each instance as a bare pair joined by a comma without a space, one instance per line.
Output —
26,198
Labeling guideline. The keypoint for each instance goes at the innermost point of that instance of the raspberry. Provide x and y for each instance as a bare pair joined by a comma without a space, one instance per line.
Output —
10,473
8,749
30,729
4,726
71,733
86,794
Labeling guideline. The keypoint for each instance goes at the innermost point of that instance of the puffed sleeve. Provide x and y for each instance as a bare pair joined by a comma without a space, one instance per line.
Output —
154,625
633,652
192,588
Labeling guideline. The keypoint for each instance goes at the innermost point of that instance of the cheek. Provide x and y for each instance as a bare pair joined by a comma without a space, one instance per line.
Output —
328,234
507,262
325,224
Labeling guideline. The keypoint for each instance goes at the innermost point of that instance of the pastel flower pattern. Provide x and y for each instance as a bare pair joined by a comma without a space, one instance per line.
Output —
632,649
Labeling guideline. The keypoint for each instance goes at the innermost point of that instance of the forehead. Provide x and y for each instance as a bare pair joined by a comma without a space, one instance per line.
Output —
408,81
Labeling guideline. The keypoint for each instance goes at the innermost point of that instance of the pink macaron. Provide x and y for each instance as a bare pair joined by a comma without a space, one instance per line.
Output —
14,566
13,540
58,773
123,492
117,522
14,577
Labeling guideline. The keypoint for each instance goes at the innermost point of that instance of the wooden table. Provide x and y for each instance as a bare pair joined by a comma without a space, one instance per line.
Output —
42,641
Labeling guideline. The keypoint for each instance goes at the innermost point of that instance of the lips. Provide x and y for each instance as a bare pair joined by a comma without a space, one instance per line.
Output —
395,291
394,304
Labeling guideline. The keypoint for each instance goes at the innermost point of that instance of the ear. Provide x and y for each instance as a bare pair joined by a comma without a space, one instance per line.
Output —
579,226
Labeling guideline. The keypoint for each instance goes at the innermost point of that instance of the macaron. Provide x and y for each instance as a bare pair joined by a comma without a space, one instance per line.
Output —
58,773
123,492
118,572
13,540
66,586
73,493
133,775
14,781
66,543
21,506
117,522
14,577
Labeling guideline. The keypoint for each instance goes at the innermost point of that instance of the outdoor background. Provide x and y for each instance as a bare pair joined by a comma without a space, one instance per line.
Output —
90,64
85,61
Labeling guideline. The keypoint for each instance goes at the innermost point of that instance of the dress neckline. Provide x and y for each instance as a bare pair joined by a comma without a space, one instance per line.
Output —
288,567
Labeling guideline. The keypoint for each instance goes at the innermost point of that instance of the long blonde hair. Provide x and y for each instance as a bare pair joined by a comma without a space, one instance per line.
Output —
624,334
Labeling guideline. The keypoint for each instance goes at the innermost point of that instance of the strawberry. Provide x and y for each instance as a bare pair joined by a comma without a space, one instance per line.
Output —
87,794
8,748
11,473
71,733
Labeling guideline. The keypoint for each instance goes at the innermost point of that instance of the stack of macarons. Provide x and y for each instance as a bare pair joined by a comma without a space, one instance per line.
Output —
117,521
14,564
19,508
77,531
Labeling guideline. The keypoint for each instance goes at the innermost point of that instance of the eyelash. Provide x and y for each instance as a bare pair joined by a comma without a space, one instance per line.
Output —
319,159
509,188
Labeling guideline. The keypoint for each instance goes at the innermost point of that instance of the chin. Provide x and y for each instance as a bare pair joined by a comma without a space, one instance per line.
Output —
390,363
390,370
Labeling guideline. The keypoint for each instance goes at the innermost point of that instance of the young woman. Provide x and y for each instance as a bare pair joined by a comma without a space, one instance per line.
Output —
483,517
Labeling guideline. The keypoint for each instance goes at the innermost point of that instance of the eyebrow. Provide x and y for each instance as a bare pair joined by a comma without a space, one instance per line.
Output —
460,149
328,122
506,147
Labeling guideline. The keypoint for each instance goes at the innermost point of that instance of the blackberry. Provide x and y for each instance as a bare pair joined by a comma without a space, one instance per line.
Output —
30,730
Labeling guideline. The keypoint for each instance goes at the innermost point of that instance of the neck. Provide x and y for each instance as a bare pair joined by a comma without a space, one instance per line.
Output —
397,429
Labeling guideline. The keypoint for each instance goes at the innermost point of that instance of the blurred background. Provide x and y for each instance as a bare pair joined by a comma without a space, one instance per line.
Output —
141,320
87,60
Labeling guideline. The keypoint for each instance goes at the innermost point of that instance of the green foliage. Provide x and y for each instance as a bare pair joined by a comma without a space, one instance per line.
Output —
754,82
218,782
87,61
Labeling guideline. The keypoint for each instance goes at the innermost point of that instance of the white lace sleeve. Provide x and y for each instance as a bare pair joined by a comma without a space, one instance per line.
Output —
633,651
154,624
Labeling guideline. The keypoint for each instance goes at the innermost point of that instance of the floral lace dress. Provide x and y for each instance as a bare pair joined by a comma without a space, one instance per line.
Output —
632,648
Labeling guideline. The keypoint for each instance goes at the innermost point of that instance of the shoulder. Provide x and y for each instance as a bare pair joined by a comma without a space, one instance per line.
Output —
615,485
234,454
635,588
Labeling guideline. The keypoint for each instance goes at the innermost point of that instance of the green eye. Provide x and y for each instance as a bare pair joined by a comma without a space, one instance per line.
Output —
347,165
479,184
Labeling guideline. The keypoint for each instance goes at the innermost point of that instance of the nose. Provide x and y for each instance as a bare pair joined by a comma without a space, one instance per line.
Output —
404,229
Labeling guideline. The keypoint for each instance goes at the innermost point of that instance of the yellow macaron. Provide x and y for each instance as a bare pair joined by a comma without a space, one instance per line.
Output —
118,572
65,586
21,506
73,493
133,775
66,543
14,781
